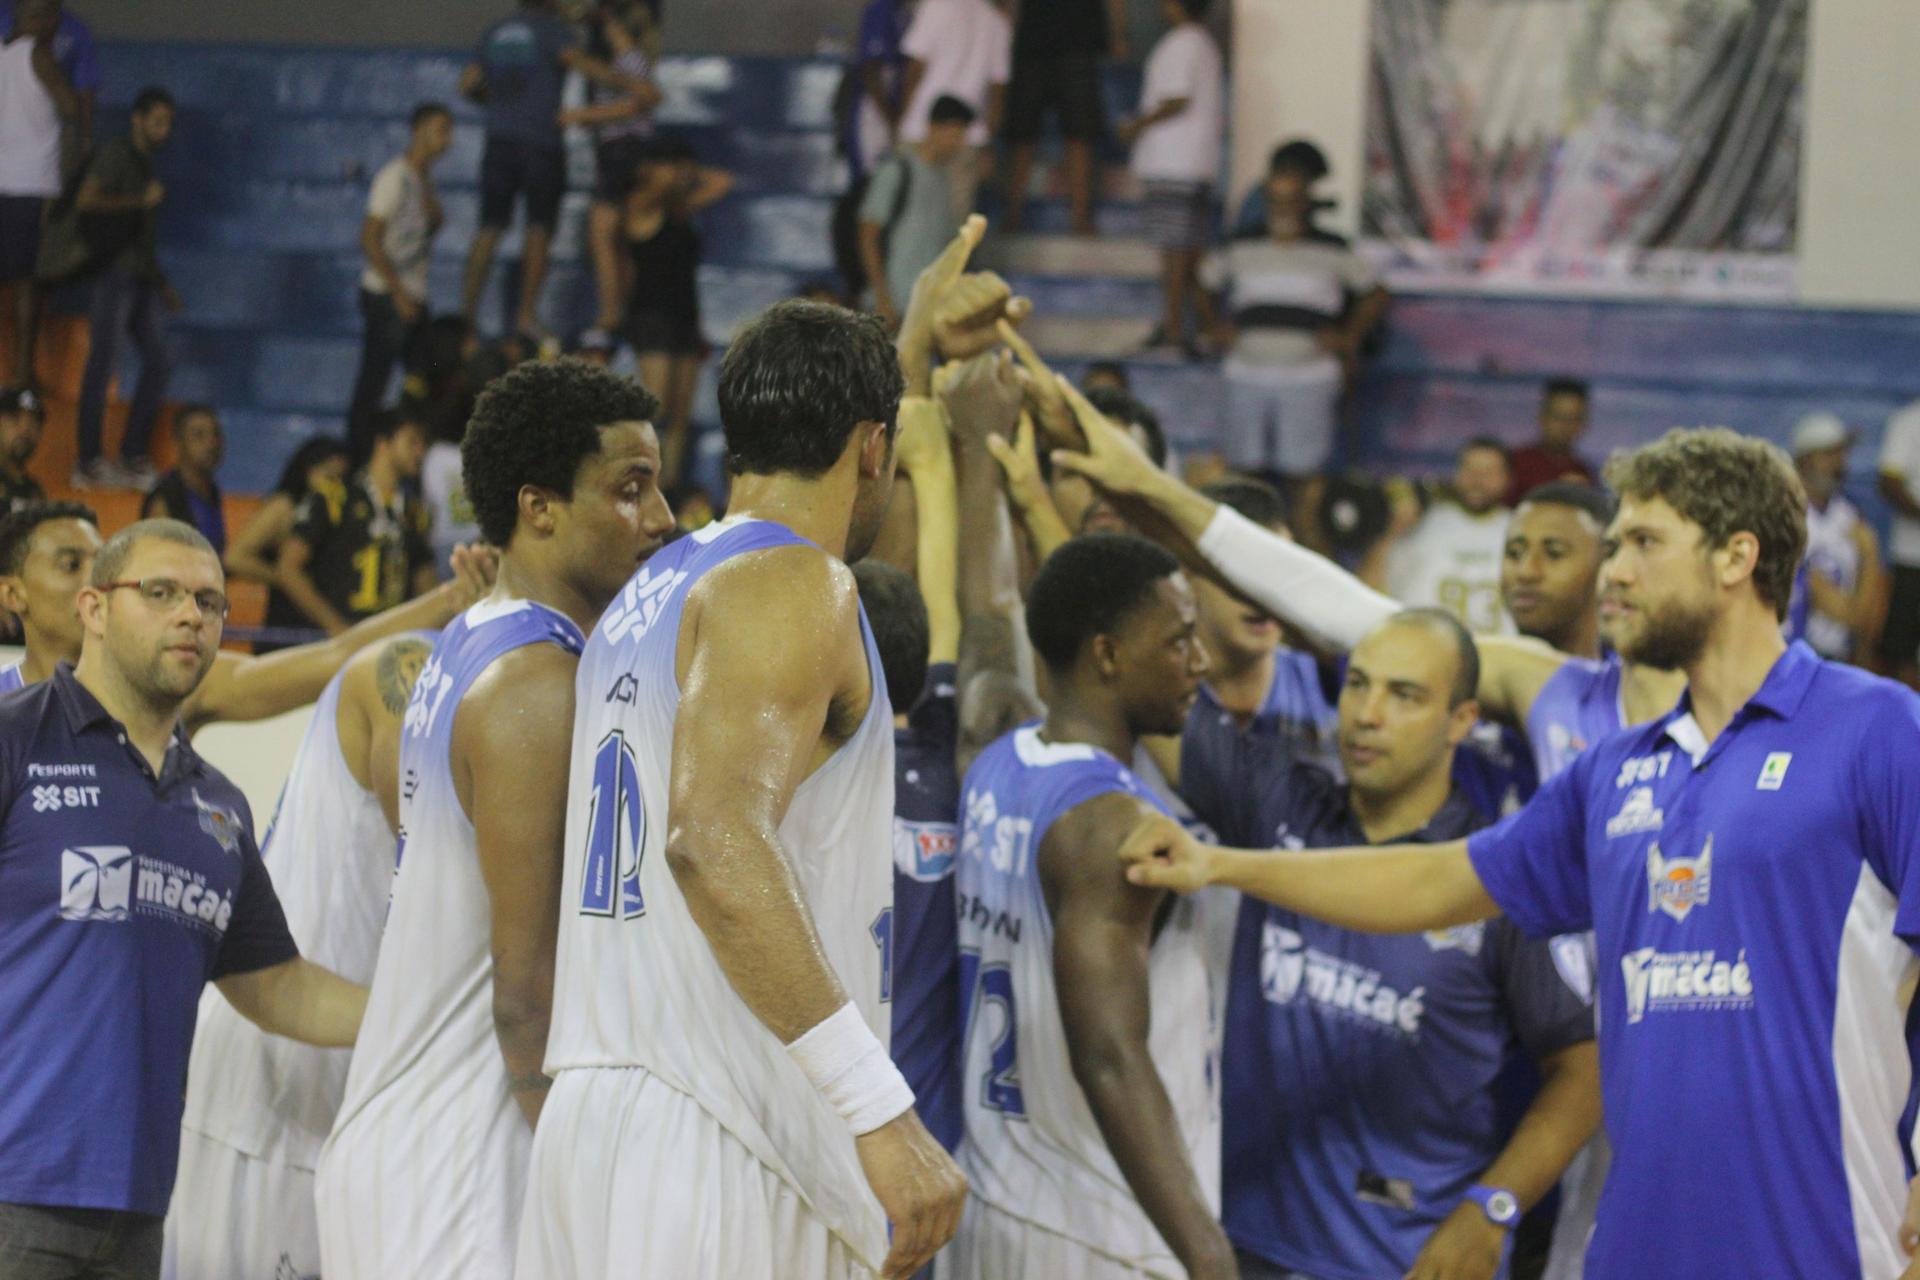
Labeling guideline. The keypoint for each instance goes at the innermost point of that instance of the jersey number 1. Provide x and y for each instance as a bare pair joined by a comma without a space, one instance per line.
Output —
616,834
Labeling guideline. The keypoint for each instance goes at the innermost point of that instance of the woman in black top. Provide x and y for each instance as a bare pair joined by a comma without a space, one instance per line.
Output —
663,316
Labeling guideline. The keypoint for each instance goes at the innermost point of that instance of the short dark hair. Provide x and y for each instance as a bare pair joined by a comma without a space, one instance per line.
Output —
1726,483
388,422
898,616
1196,8
1595,501
1488,443
1111,368
1564,386
1466,672
17,528
111,560
426,111
1297,155
1126,409
535,425
1253,498
797,380
1087,587
150,97
948,109
311,453
195,409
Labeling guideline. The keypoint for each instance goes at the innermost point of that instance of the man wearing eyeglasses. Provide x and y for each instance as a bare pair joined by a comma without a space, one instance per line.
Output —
128,879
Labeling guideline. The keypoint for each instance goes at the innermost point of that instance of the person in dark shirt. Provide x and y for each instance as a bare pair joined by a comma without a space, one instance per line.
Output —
22,418
360,548
1563,420
1057,50
189,492
114,230
128,883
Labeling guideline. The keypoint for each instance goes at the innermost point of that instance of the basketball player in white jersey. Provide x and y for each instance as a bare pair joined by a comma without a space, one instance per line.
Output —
424,1173
723,1101
259,1106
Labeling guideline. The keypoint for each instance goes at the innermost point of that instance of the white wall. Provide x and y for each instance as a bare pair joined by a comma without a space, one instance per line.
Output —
1301,68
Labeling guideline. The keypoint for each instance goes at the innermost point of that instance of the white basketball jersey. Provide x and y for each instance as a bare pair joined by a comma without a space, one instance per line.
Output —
637,984
1832,552
1451,560
330,853
1033,1148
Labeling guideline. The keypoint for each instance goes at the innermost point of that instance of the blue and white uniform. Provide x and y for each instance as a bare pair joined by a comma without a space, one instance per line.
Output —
679,1138
425,1171
259,1106
1577,706
1296,712
1047,1196
1754,903
924,942
11,681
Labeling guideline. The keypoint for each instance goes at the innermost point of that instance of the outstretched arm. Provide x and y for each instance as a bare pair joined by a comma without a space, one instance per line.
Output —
299,1000
1103,931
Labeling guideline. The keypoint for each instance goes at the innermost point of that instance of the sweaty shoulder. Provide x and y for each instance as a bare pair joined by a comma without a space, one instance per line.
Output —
795,591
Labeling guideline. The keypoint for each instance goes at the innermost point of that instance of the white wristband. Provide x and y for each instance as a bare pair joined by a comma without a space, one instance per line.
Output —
847,1064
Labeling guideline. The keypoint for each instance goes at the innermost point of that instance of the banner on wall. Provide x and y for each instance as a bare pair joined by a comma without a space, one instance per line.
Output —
1628,147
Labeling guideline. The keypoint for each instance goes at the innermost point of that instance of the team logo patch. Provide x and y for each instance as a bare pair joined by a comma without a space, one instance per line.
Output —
924,851
1463,937
1774,772
220,822
1678,885
96,882
1637,815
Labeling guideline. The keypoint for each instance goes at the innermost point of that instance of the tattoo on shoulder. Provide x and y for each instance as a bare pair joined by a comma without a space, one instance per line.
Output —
399,666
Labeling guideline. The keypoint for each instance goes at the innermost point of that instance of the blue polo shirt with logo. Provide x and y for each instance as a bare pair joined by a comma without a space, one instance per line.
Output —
1755,904
121,895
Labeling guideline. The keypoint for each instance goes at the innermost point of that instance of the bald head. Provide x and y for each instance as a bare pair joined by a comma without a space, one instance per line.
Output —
1447,632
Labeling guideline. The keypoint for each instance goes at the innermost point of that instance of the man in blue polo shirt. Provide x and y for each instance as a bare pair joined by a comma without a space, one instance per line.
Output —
128,880
1750,866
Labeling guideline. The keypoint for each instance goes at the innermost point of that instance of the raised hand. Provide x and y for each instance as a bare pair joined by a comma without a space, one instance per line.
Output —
984,398
1161,854
1020,463
923,434
1050,409
915,343
1112,460
967,320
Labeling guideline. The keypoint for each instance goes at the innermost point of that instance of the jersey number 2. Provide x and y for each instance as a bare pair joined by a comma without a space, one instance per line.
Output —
616,834
993,984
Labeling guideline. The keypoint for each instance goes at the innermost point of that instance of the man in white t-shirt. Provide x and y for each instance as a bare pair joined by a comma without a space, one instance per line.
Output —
35,97
1450,558
1176,139
961,49
1900,486
403,214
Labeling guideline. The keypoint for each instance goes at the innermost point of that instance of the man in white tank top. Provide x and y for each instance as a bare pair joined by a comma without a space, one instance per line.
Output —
424,1172
259,1106
1842,569
723,1102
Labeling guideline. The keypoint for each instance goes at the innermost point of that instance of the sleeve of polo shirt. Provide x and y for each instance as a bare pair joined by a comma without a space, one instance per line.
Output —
1547,1014
257,935
1887,785
1534,863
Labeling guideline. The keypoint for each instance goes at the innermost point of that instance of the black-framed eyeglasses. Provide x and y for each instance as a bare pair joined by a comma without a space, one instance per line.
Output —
164,594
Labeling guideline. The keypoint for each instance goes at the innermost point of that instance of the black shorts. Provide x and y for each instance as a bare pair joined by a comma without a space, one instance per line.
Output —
22,218
1068,83
665,333
1900,640
613,164
511,169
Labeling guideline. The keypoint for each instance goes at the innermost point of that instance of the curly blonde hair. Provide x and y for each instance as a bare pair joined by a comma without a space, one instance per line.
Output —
1726,483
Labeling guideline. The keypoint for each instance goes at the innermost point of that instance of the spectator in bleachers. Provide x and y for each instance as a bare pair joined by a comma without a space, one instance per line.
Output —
1177,139
1310,162
319,463
361,548
518,77
116,224
1449,556
190,492
1106,373
961,49
36,101
1058,46
663,318
622,121
1841,576
79,59
1563,420
22,419
907,217
450,518
403,216
1301,306
867,125
1900,486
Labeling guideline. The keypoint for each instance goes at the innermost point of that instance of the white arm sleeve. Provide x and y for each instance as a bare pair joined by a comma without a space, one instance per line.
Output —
1305,590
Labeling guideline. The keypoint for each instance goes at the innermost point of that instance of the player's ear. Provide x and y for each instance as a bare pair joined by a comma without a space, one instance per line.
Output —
13,597
1734,562
537,508
1106,656
1460,721
876,444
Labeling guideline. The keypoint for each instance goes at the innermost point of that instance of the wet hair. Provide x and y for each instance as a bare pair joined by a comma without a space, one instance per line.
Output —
797,381
1596,502
293,476
1466,670
1726,483
1563,387
111,560
1126,409
535,426
898,616
1087,587
18,528
1253,498
150,97
948,109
